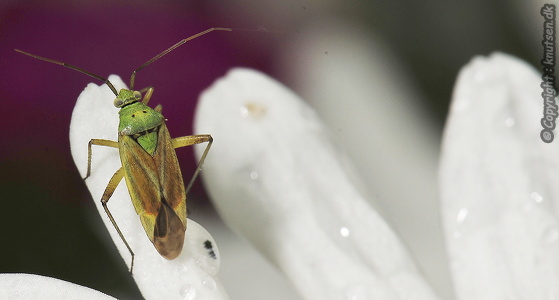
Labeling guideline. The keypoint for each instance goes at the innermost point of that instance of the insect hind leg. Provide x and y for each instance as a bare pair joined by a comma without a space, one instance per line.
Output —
109,190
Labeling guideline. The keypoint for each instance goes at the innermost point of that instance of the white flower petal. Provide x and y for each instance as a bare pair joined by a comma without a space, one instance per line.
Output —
30,286
276,179
498,184
363,92
192,275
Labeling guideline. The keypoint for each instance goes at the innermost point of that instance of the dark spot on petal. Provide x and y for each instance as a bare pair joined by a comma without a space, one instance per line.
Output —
208,245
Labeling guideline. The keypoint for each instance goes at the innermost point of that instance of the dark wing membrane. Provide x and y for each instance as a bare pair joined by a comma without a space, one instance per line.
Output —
142,181
170,177
168,234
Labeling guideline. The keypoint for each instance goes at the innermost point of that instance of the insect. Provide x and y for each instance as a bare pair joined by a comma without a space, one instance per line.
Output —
149,163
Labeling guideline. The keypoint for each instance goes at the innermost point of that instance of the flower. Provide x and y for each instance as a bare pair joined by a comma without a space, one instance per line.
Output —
496,182
278,180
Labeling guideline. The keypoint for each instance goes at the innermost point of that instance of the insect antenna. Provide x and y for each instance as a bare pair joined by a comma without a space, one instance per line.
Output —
158,56
109,84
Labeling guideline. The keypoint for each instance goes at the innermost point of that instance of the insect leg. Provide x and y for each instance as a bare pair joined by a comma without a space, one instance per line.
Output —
98,142
109,190
184,141
149,91
158,108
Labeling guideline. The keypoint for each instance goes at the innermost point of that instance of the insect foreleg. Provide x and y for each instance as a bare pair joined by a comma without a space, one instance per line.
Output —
98,142
109,190
184,141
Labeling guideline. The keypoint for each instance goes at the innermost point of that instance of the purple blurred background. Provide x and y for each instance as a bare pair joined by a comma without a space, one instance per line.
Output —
49,224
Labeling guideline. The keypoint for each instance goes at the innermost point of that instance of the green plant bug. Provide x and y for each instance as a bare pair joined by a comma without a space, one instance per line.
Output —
149,163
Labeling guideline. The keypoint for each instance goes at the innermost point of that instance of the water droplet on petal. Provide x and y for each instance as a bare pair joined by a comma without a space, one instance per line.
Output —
253,175
462,214
356,293
182,268
187,292
344,231
209,282
244,111
536,197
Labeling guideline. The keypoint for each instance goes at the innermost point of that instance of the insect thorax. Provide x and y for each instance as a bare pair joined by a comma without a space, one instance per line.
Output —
137,118
140,122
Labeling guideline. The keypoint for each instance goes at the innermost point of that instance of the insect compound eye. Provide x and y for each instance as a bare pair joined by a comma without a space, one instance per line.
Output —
118,102
137,95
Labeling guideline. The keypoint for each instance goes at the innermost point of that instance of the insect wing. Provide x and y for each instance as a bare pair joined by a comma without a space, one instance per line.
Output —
170,176
157,190
140,173
171,221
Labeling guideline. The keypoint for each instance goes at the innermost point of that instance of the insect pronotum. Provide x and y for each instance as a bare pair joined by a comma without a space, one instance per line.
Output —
149,162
